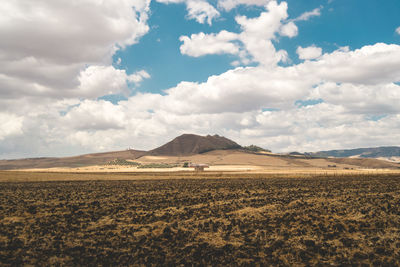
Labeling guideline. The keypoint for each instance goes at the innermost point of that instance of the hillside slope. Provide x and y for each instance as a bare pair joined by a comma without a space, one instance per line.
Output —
72,162
368,163
190,144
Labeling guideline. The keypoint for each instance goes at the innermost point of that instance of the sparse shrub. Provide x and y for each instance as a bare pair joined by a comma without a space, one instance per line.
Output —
254,148
157,166
123,162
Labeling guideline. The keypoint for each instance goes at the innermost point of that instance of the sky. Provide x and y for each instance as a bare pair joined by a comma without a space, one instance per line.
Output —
298,75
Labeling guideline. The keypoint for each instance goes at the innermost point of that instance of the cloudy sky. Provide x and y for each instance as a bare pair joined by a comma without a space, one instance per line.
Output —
298,75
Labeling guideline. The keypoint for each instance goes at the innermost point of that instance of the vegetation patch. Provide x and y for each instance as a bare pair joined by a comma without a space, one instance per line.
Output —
254,148
157,166
123,162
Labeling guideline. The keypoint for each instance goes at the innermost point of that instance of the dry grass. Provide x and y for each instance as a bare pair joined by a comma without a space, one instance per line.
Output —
181,173
225,160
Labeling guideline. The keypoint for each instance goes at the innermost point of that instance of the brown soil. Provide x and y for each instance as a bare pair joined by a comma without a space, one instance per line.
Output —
319,221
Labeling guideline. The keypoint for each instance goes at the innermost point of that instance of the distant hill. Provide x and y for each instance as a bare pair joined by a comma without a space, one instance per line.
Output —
196,146
295,153
376,152
72,162
186,144
369,163
190,144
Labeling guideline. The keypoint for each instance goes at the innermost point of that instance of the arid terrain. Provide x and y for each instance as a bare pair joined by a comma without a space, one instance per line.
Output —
220,153
249,207
212,219
227,161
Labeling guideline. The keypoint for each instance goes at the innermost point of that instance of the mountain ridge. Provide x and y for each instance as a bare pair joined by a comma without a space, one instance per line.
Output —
370,152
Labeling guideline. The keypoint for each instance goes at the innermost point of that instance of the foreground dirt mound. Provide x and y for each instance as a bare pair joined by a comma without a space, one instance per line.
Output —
190,144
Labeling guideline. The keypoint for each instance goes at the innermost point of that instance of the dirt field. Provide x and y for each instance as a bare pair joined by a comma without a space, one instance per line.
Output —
219,172
315,220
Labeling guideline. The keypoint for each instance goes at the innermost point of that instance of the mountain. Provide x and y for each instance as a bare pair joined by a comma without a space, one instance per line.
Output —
221,150
375,152
190,144
186,144
72,162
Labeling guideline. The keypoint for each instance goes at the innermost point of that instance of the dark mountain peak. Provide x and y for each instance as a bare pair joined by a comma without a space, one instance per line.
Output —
189,144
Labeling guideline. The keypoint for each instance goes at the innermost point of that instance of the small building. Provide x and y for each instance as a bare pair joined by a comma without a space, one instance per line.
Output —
199,167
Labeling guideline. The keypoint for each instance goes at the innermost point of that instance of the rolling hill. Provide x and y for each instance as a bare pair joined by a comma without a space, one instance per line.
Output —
72,162
218,150
375,152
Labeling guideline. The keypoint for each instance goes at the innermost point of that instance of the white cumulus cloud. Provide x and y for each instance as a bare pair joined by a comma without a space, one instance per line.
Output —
371,64
311,52
10,124
104,80
138,76
199,10
231,4
255,38
95,115
203,44
307,15
46,44
97,81
290,30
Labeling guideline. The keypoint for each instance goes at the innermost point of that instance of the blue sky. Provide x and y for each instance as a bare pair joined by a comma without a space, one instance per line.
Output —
295,75
341,23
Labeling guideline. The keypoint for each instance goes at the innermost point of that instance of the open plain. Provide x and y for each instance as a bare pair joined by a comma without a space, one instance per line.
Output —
218,161
210,218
